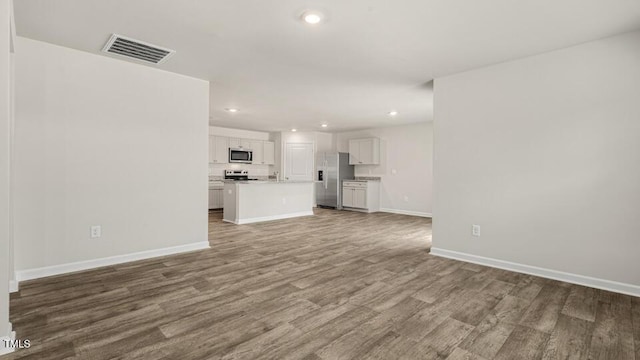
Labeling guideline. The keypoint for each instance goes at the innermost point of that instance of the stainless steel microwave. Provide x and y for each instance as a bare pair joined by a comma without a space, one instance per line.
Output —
244,156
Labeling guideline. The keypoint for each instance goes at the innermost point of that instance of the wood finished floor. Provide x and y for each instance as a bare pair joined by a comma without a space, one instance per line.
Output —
338,285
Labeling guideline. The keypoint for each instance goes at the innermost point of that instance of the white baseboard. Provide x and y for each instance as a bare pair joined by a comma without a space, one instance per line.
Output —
366,211
608,285
270,218
13,286
3,349
406,212
22,275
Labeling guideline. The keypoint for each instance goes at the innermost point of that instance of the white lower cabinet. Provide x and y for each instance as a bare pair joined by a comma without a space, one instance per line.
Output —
360,198
361,195
354,197
347,197
215,199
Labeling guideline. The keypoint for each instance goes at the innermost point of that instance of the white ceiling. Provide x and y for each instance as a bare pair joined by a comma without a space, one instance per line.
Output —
367,58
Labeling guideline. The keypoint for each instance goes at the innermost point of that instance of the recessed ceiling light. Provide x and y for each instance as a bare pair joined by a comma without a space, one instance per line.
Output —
311,17
393,113
294,130
324,125
231,110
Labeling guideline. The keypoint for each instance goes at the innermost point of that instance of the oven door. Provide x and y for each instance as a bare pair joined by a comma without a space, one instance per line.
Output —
240,156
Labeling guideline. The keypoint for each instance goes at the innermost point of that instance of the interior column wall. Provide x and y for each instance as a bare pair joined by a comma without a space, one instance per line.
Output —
544,154
5,167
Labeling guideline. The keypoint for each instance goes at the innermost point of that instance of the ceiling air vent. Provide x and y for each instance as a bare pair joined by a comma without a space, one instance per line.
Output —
140,50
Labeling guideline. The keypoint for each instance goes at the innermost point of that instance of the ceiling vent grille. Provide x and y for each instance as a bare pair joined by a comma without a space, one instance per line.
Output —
136,49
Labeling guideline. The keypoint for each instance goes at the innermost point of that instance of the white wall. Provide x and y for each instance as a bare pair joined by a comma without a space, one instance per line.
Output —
254,170
408,150
101,141
325,142
544,154
5,166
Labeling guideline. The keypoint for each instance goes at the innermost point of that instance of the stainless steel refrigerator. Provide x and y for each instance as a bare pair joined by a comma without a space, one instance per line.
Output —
331,169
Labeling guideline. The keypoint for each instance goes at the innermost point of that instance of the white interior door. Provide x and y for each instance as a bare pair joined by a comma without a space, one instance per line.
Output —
298,162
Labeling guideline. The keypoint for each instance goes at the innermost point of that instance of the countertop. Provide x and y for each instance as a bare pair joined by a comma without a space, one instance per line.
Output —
352,180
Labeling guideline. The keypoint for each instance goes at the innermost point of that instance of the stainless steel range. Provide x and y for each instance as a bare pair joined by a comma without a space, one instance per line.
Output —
238,175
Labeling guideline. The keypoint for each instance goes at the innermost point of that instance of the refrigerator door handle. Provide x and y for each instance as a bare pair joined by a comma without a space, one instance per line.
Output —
326,178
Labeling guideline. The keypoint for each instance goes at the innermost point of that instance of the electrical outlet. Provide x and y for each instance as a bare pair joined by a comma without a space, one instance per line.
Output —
475,230
284,201
96,231
406,198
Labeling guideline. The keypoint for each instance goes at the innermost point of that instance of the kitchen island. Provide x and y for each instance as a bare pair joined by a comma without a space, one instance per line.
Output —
254,201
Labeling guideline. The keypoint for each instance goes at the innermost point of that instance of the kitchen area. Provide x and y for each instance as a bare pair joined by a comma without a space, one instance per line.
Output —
257,179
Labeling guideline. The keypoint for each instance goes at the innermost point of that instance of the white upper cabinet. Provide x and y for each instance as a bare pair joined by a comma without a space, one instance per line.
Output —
218,149
263,151
269,155
354,152
221,146
237,143
234,143
364,151
257,146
